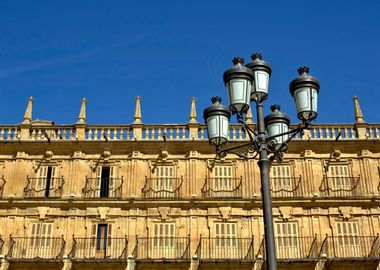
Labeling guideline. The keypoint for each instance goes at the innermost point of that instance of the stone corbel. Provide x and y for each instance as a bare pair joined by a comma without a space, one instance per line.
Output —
286,212
345,212
164,213
225,212
103,213
42,212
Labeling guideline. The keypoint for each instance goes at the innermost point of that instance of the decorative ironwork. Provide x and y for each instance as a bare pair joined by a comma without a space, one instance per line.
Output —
2,184
226,249
158,248
350,247
288,187
166,187
98,248
222,187
293,248
1,245
36,248
342,186
44,187
103,187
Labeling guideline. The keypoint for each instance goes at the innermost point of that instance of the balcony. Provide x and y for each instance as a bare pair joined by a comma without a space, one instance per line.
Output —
40,187
1,245
2,183
222,188
351,248
293,248
103,187
162,248
288,187
99,249
343,187
226,249
36,248
162,187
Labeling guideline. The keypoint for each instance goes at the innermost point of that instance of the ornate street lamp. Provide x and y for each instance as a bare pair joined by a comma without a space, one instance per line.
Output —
250,83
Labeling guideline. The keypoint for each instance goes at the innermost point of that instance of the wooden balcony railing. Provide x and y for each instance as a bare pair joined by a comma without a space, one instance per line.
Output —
33,248
162,187
162,248
170,132
222,187
293,248
288,187
44,187
2,184
226,249
350,247
103,187
343,187
97,248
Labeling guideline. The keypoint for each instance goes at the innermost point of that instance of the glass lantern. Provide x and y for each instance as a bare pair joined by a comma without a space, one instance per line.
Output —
305,89
261,71
238,81
277,123
217,118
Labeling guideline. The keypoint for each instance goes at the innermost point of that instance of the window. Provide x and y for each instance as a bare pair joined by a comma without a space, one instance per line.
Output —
105,181
348,240
281,178
223,181
164,181
287,240
163,240
46,182
40,242
225,240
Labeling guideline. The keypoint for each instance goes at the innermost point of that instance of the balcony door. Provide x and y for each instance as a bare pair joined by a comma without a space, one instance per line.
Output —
287,240
164,181
105,183
281,180
348,240
340,180
101,243
226,245
41,242
46,183
163,245
223,182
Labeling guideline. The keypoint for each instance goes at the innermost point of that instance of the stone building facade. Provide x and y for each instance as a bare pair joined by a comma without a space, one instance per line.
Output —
143,196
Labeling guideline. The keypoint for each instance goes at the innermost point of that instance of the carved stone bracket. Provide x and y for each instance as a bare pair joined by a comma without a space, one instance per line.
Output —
103,213
164,213
225,212
42,212
286,212
346,212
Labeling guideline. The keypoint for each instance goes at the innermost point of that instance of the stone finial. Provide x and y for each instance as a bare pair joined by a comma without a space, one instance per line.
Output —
358,111
137,118
82,112
248,118
28,112
193,111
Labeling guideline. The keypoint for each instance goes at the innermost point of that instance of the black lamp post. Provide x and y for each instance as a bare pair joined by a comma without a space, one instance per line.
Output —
247,84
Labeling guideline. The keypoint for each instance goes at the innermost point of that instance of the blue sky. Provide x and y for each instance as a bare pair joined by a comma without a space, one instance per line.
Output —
169,51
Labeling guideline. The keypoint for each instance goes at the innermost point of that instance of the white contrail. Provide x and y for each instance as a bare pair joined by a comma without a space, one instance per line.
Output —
63,59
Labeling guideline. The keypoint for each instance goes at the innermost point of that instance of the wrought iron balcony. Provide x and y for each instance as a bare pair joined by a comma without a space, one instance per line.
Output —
288,187
226,249
162,248
293,248
44,187
343,187
97,248
222,187
351,247
103,187
162,187
2,183
36,248
1,245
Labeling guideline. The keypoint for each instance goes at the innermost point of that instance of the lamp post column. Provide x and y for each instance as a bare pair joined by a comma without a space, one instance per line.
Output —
264,165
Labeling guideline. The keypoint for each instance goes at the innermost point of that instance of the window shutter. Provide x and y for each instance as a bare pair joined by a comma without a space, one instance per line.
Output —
109,235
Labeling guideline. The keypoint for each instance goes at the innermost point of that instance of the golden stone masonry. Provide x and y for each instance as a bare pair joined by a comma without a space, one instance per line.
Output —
141,196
